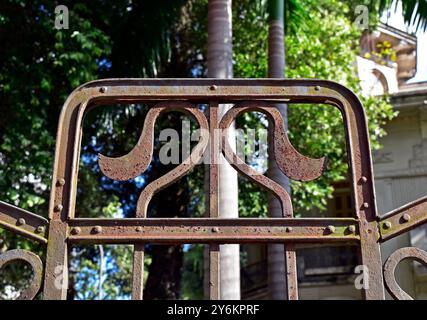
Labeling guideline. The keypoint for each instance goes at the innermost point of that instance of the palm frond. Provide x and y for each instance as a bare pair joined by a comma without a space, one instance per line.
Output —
414,11
295,15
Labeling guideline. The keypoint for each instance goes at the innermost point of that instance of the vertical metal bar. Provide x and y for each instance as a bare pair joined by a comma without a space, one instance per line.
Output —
214,252
291,272
290,266
138,272
61,205
56,271
364,199
214,272
138,266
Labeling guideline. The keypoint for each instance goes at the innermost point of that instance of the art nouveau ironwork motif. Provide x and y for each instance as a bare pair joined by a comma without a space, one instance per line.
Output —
365,229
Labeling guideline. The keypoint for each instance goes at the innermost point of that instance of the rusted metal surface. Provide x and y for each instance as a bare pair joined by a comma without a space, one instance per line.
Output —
23,222
205,230
291,272
293,164
390,266
365,229
212,200
137,161
290,161
403,219
56,267
214,272
138,271
36,264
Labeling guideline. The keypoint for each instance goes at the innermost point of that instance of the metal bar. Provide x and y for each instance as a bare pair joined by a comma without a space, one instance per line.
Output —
138,271
214,249
206,230
56,270
102,92
222,90
214,272
291,269
62,198
403,219
291,272
23,222
364,202
138,267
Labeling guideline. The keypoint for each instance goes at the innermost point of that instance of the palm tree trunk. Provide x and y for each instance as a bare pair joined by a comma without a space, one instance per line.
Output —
276,69
220,66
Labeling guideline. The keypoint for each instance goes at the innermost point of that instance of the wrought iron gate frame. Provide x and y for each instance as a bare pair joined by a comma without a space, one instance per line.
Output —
366,229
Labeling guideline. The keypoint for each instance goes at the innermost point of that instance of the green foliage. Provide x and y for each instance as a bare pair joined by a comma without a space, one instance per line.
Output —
192,281
40,66
326,51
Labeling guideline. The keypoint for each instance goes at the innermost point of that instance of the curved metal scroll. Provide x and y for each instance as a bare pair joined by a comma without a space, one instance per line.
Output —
138,159
390,266
36,264
292,163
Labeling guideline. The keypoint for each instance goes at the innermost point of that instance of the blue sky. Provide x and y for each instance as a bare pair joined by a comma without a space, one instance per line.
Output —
395,19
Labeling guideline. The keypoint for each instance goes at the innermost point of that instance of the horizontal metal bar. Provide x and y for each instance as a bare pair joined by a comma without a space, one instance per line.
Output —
23,222
403,219
222,90
212,230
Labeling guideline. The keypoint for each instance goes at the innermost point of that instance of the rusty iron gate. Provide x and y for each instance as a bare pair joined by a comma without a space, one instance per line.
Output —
365,229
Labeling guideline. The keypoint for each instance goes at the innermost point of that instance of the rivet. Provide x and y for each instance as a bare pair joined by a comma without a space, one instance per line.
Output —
21,222
213,87
364,179
97,229
139,229
103,89
75,230
406,217
59,207
365,205
351,229
215,229
288,229
61,182
40,229
317,88
387,225
330,229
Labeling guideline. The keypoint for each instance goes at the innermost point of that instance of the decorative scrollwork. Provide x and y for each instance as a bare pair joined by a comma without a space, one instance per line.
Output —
138,159
390,266
37,267
292,163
